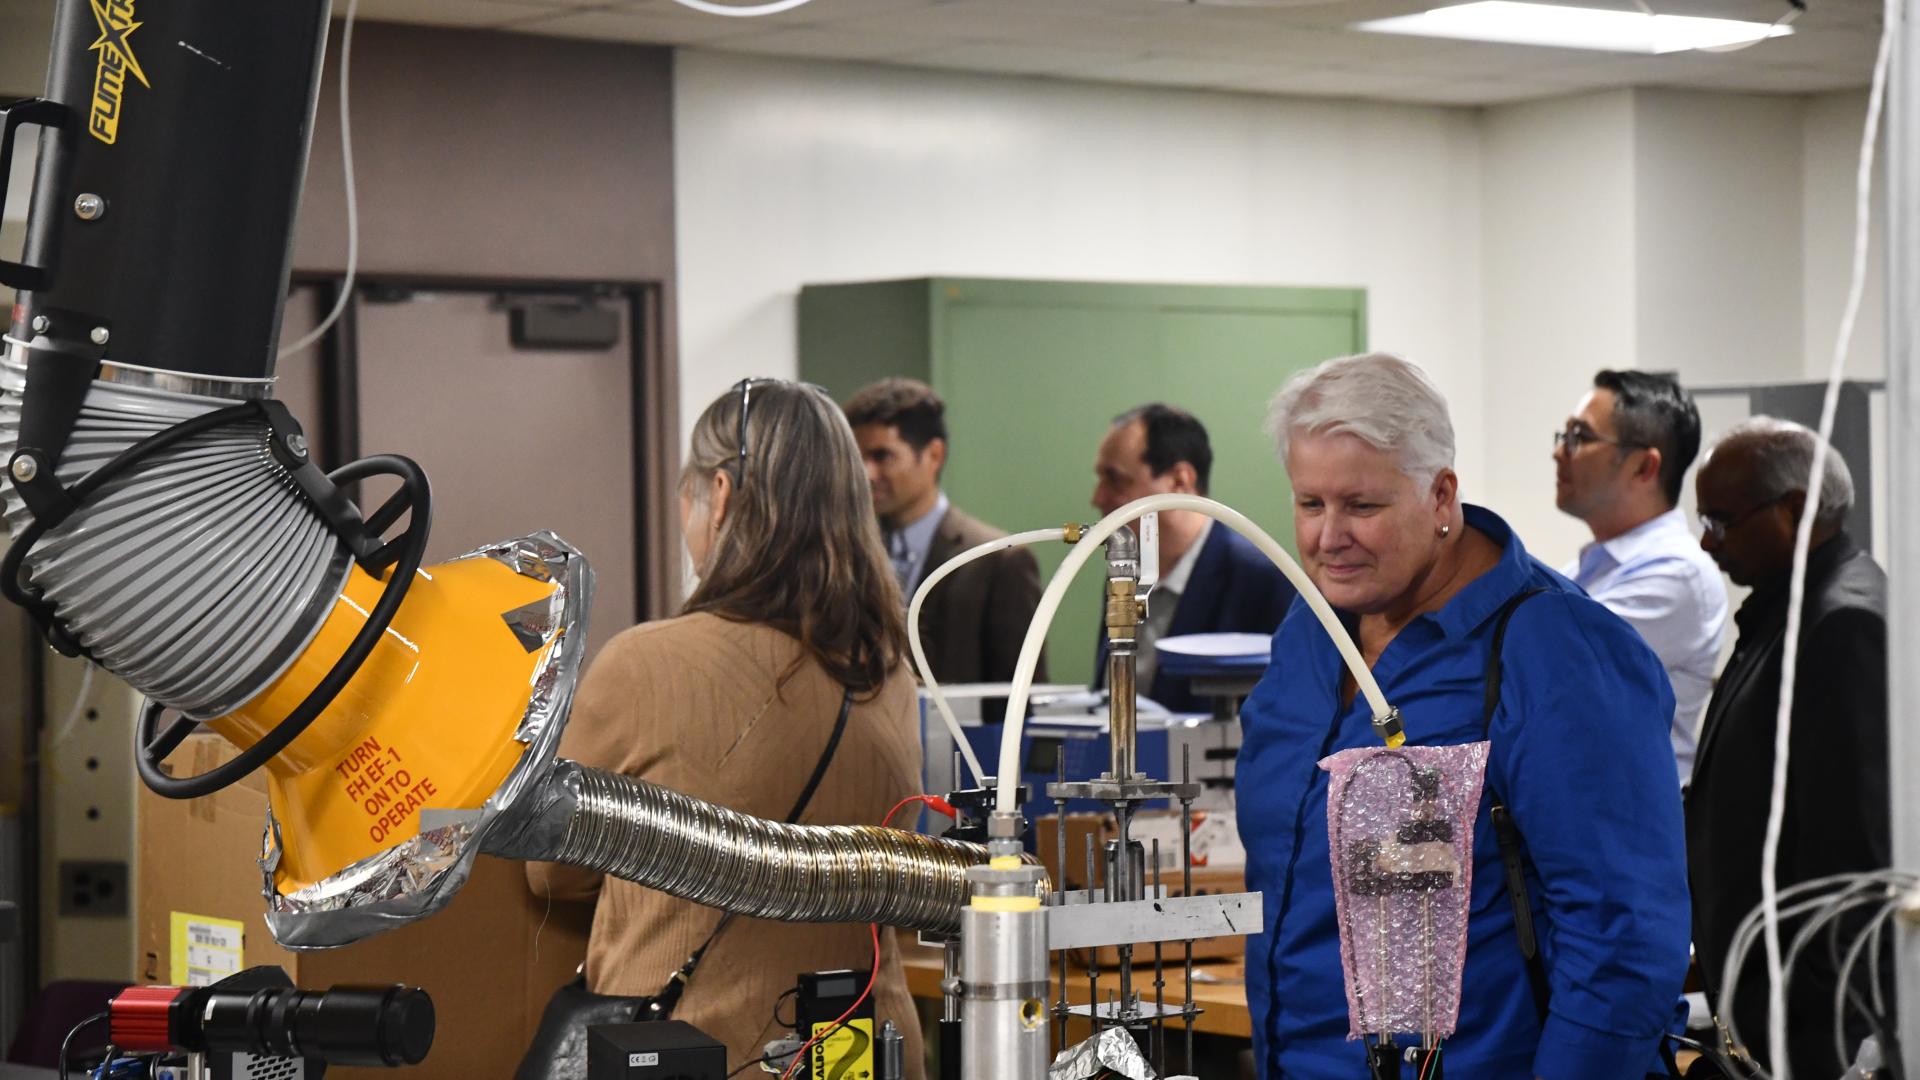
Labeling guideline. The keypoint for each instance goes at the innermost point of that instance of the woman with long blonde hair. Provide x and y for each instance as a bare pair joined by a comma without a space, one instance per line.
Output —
796,618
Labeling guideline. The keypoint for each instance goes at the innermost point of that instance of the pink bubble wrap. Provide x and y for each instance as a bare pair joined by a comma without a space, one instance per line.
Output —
1400,828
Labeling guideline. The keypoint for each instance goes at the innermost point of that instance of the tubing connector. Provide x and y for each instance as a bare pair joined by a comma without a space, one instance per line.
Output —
1390,729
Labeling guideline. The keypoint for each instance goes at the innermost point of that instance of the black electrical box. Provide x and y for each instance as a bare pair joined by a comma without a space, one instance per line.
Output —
566,324
661,1050
846,1050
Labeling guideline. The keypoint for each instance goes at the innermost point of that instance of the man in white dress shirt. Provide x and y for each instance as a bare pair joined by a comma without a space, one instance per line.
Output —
1619,463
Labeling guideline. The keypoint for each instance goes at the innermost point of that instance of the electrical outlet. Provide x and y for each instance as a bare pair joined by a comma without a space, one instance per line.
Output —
93,889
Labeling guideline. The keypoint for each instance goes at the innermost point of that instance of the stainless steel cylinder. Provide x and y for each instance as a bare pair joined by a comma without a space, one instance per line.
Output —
1123,722
1003,967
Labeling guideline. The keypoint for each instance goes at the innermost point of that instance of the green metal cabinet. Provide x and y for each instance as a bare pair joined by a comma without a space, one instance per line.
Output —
1034,371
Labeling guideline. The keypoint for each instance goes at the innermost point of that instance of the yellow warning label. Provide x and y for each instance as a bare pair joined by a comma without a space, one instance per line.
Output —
847,1054
205,949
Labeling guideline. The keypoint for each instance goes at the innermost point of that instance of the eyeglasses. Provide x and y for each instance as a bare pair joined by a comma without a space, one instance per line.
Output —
1716,526
745,386
1574,436
746,397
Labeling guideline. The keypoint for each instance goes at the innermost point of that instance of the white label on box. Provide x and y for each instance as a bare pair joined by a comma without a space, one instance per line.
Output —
205,949
642,1059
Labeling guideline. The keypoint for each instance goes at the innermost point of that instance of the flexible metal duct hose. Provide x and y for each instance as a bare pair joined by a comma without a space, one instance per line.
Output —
201,573
697,851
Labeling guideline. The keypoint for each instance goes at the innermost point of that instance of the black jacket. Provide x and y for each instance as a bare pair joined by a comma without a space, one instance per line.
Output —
1233,589
1837,815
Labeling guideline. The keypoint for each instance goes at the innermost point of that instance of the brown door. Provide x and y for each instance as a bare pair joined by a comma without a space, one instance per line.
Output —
513,440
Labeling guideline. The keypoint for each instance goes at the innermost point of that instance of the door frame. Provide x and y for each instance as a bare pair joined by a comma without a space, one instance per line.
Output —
655,429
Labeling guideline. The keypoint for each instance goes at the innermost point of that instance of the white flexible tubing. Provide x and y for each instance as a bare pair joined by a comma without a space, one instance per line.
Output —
1009,777
1037,536
1802,543
353,200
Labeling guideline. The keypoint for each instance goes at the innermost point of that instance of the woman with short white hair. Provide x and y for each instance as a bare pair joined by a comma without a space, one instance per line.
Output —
1576,709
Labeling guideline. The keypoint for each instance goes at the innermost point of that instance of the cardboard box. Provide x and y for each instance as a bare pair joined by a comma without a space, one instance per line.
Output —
490,960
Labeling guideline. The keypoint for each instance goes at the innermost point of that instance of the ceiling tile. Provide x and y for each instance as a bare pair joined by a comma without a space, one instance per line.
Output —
671,26
1479,91
821,43
1264,46
481,13
1022,59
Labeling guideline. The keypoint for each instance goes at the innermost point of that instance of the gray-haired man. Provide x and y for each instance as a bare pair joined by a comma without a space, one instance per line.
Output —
1752,493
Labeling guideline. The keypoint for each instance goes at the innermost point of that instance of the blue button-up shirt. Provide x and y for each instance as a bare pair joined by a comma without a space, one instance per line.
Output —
1656,577
1581,756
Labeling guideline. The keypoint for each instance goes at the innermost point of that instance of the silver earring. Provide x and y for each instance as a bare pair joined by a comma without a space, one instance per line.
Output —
1444,530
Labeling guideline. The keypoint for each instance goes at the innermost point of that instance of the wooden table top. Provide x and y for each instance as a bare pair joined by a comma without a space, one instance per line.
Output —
1219,986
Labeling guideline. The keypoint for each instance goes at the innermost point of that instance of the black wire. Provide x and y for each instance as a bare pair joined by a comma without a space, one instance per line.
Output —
66,1044
789,1024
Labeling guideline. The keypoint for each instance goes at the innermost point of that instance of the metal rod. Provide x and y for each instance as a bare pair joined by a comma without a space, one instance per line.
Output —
1158,1037
1060,861
1903,423
950,977
1121,870
1093,955
1186,885
1122,721
1426,971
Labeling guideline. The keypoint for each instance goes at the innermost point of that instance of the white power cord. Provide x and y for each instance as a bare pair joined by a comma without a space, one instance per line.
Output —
1008,781
740,12
1802,542
1037,536
353,202
72,719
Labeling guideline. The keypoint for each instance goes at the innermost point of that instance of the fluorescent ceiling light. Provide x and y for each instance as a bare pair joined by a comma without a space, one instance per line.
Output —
1576,28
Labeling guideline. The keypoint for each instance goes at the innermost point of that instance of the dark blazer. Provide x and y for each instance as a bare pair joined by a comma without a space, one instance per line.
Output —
1837,816
974,621
1233,589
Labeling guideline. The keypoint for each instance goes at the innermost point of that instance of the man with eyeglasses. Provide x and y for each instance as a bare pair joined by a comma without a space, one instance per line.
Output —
1619,463
1752,491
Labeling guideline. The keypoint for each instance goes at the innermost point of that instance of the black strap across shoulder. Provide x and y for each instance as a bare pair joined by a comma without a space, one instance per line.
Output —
661,1005
1512,851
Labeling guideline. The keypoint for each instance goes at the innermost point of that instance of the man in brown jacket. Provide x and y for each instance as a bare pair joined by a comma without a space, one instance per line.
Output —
973,623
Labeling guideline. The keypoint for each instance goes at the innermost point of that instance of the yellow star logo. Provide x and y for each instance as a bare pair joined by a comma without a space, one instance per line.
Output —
114,36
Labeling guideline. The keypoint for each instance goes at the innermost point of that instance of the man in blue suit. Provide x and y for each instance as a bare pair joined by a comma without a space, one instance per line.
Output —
1211,579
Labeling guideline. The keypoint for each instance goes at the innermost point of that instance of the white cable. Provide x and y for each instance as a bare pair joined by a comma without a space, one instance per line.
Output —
1009,777
72,718
1037,536
738,12
1802,542
353,202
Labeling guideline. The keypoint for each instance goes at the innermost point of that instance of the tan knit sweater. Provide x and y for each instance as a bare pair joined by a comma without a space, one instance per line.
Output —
695,704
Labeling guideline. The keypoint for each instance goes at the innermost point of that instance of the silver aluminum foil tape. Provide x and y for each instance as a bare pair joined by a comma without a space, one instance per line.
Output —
1113,1052
417,878
199,575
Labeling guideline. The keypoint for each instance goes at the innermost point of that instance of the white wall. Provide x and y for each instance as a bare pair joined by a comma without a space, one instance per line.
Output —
1513,250
1831,159
789,173
1718,207
1559,288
